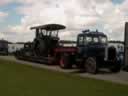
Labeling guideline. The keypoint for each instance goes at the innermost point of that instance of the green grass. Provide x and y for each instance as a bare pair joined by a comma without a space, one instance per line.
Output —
24,80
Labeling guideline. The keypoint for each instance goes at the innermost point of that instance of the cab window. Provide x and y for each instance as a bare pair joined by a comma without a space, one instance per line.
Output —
80,40
103,39
88,39
95,39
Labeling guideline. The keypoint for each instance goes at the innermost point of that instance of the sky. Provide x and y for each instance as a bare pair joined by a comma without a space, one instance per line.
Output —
17,16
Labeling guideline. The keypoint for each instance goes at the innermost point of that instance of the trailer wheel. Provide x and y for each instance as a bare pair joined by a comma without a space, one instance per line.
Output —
90,65
64,62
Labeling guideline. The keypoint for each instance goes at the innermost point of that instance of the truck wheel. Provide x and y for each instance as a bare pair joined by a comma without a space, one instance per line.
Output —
115,68
90,65
64,62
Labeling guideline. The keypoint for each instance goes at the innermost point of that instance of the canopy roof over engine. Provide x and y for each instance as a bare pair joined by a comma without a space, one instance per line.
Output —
49,27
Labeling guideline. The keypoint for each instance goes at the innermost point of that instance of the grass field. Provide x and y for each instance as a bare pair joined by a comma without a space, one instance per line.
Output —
24,80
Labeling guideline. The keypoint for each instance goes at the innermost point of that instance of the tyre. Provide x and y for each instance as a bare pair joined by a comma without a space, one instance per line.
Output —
115,68
90,65
64,62
125,68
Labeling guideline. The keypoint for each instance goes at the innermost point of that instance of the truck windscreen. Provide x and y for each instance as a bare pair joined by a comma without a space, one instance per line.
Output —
95,39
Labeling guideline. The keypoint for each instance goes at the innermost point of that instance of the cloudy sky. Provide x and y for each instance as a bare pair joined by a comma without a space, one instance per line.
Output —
17,16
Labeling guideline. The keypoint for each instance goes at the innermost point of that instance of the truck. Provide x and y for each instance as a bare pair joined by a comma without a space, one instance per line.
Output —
90,53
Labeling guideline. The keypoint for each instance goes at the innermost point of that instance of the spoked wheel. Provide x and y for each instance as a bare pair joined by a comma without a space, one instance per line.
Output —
64,62
90,65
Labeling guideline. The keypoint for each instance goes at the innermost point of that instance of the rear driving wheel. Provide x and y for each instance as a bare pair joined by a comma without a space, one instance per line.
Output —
90,65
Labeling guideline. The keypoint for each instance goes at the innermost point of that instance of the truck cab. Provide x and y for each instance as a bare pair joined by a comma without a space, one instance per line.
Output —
91,43
94,52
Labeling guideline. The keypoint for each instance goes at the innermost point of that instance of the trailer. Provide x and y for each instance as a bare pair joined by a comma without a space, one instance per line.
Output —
90,53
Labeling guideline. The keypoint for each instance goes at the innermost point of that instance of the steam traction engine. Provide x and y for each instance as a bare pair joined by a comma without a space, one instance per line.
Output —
45,47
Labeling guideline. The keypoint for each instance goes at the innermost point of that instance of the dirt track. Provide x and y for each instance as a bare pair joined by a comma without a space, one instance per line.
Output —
121,77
